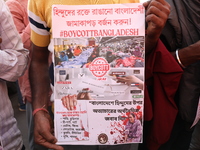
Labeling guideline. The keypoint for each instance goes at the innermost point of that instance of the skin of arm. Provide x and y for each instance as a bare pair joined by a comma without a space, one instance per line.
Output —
157,12
131,79
189,55
40,85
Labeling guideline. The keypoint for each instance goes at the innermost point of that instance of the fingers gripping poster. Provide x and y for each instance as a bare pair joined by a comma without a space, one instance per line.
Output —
98,73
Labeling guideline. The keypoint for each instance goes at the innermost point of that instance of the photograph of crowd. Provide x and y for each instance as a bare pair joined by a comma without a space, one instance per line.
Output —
120,52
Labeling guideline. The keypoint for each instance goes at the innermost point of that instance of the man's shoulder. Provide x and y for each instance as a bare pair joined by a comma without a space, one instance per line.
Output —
40,4
17,5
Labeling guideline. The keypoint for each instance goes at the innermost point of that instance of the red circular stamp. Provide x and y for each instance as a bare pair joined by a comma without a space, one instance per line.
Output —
99,67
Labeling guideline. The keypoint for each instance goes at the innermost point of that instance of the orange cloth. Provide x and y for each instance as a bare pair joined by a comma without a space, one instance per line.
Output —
77,51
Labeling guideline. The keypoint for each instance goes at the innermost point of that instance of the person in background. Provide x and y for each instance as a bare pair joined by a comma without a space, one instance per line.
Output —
137,51
110,57
77,51
181,36
18,9
63,56
89,61
57,62
40,15
69,52
13,62
133,129
162,78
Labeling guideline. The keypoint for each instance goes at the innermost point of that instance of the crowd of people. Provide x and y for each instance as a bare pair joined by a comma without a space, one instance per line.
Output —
125,55
172,44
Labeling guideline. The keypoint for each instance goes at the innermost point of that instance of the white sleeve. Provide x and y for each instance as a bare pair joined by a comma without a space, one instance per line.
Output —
13,56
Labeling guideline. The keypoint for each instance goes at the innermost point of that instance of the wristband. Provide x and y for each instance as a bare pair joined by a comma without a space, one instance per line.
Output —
178,59
39,109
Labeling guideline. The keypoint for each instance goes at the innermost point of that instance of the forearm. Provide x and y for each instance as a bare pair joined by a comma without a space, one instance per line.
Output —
151,42
39,80
13,63
188,55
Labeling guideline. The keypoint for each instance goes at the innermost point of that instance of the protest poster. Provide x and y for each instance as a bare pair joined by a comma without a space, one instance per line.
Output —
98,73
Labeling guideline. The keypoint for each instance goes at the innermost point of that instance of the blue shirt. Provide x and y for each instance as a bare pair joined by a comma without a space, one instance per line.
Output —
64,58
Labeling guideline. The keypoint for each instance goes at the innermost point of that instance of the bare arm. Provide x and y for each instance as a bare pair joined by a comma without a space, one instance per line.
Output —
157,12
189,55
40,86
39,76
131,79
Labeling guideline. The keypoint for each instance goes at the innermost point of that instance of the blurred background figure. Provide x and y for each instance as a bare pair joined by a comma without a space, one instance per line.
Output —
13,62
18,9
110,57
63,56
